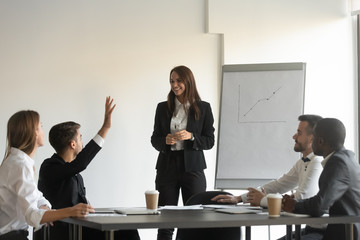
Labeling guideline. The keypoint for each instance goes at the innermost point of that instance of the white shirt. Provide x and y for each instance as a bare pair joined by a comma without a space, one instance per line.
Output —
99,140
20,198
303,177
179,122
323,163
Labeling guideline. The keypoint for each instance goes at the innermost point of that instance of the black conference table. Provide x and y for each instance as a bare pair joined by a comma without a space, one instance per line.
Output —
199,219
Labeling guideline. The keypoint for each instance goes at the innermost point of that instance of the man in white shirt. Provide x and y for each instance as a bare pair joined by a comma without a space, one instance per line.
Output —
302,177
339,192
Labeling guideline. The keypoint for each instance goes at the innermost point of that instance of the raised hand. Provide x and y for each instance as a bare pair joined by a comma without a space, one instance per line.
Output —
109,108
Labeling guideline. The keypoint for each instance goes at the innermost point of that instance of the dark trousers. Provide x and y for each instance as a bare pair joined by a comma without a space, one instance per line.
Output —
171,180
60,231
15,235
308,233
337,231
93,234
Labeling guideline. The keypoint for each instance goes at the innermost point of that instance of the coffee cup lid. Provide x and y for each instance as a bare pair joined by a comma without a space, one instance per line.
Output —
152,192
274,195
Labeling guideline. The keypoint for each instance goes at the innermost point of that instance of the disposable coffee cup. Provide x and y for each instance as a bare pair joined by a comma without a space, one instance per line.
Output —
274,204
152,197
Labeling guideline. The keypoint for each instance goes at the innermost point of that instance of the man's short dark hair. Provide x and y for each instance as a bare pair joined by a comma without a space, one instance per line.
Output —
312,120
62,134
332,131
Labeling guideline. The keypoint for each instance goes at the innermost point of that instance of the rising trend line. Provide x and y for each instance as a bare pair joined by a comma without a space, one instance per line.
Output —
261,100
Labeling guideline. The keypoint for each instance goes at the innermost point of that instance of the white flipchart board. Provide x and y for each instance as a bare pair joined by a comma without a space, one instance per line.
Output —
260,105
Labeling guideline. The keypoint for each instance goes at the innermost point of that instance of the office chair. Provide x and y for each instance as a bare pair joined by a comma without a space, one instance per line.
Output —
204,198
42,234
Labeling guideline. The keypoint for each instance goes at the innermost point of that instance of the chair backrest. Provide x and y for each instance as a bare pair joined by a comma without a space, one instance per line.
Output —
233,233
205,198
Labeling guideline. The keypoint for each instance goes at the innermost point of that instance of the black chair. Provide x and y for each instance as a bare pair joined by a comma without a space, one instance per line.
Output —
42,234
233,233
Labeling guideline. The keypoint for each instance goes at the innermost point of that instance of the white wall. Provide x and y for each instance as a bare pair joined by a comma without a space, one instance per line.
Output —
62,58
318,33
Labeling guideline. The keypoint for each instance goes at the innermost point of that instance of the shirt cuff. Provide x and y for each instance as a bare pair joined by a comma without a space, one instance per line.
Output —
33,217
99,140
44,202
244,197
263,202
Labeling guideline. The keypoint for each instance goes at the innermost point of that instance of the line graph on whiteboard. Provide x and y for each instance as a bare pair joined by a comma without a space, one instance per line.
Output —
259,106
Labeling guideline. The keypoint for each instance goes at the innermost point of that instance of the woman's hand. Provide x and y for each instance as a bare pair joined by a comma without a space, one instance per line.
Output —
81,210
183,135
170,139
226,199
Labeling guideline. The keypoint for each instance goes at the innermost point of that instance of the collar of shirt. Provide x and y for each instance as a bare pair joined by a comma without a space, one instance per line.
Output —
178,104
310,156
20,153
323,163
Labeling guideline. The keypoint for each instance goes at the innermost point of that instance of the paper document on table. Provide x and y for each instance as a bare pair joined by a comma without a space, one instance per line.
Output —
191,207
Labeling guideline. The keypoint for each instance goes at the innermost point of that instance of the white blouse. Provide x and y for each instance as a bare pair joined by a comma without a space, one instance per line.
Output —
179,122
20,199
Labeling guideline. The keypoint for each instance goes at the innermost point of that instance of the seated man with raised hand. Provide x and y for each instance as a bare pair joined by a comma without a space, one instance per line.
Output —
59,176
339,183
302,177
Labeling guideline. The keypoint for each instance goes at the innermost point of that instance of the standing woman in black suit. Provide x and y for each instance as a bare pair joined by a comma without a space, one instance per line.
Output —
183,129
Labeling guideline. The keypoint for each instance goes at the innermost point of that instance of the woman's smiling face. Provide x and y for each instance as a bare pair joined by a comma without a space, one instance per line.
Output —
177,84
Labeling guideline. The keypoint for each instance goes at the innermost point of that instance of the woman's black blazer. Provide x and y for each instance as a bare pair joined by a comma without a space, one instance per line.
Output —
202,130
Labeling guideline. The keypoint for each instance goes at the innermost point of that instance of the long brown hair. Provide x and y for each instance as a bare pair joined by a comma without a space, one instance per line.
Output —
191,94
21,131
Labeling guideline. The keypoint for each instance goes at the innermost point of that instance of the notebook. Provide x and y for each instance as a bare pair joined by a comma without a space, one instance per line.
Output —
136,211
104,210
238,210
